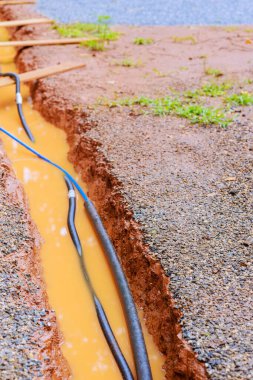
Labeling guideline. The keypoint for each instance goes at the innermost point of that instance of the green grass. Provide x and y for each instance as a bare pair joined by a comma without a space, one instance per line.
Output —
195,113
198,114
248,81
94,45
215,89
212,90
242,99
143,41
100,30
214,72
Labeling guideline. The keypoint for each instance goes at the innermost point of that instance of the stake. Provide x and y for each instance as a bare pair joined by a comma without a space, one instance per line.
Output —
42,73
15,2
7,24
58,41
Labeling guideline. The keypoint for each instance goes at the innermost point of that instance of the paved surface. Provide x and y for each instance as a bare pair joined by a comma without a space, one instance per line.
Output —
150,12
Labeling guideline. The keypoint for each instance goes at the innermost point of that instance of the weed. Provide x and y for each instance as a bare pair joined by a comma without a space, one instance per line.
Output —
76,30
249,81
163,106
101,31
209,89
183,39
214,72
129,62
94,45
197,113
249,30
143,41
191,94
242,99
214,89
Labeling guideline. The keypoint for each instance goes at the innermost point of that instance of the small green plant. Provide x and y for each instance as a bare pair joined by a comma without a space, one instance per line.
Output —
242,99
94,45
212,90
214,72
143,41
215,89
99,33
248,81
129,62
180,40
196,113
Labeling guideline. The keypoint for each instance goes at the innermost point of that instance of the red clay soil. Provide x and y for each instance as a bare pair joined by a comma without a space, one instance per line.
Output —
63,100
30,340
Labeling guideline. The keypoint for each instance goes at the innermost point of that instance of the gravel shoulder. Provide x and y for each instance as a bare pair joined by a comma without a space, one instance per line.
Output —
188,187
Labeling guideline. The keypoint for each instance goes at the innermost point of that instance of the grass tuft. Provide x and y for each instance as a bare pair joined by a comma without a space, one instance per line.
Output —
212,90
195,113
198,114
143,41
100,30
242,99
214,72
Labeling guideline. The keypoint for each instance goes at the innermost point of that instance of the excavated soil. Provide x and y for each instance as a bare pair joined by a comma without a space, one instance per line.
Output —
176,199
30,341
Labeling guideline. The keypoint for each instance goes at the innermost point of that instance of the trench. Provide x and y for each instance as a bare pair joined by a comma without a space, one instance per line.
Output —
84,345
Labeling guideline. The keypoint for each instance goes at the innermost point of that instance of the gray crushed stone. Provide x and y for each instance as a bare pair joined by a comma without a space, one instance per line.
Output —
150,12
191,188
20,323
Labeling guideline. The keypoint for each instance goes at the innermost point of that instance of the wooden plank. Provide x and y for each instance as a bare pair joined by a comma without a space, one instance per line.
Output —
42,73
58,41
30,21
16,2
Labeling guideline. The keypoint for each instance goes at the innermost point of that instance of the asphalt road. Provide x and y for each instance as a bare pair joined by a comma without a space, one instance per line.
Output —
151,12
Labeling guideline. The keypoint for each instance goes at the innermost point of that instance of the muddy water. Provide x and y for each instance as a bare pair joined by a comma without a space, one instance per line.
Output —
84,345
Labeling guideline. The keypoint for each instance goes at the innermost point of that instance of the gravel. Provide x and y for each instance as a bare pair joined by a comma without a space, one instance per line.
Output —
149,12
191,191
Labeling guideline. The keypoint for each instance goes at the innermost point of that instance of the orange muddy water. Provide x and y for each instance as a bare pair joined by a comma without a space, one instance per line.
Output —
84,345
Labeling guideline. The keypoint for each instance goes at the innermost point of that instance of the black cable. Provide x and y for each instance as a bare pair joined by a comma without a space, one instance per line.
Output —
19,101
135,332
136,336
103,321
